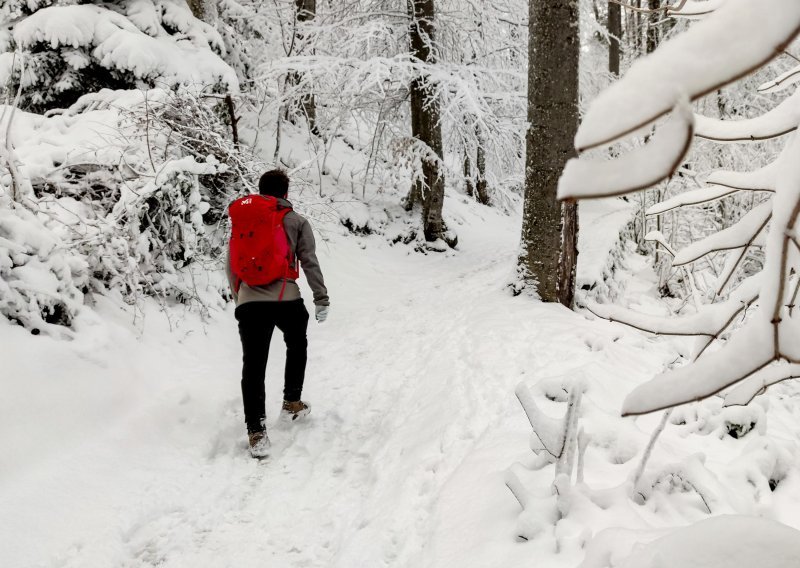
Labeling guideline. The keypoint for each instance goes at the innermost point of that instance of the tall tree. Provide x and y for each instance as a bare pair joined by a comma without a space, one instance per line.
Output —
615,34
305,11
425,121
549,230
653,32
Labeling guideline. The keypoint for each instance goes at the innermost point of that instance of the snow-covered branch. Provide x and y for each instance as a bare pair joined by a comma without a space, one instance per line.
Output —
638,169
709,55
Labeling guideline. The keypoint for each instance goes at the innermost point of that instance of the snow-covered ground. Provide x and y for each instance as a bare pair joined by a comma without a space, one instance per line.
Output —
126,446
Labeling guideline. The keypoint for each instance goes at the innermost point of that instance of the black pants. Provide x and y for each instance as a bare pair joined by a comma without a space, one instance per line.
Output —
257,321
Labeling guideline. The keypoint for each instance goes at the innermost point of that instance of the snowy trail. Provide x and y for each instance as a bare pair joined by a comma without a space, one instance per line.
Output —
412,376
352,487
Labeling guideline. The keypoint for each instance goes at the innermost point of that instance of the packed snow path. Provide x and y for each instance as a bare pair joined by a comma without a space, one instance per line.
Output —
126,452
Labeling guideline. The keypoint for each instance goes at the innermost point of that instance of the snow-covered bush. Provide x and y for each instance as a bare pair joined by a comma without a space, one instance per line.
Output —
42,279
129,189
71,48
697,62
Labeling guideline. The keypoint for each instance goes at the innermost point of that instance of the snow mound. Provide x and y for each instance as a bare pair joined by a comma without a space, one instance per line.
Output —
728,541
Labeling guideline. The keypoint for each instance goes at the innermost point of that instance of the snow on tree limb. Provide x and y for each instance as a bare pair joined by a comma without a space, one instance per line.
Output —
763,179
551,432
746,353
769,335
695,9
638,169
709,55
696,197
749,388
735,261
781,120
742,234
658,237
781,82
709,321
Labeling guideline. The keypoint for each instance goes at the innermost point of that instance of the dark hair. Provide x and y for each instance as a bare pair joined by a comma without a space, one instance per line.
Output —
274,183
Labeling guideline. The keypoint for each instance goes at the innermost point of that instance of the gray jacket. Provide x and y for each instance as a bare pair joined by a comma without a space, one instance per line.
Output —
301,241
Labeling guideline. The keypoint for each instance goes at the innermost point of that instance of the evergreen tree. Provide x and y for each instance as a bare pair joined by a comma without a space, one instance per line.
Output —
70,48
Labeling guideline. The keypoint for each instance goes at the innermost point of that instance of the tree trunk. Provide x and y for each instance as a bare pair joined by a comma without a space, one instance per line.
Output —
469,177
615,33
425,122
306,105
475,170
205,10
653,33
568,261
481,187
652,39
549,230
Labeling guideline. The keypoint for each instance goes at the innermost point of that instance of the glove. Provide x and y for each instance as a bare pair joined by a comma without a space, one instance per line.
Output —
322,313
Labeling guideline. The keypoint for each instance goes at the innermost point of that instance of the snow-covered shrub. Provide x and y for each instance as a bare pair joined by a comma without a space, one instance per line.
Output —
186,123
168,215
71,48
132,186
157,230
42,279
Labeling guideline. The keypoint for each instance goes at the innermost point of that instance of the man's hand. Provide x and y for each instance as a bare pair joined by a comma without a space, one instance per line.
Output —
322,313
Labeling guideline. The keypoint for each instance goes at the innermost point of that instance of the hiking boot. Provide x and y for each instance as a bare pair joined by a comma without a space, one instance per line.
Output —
259,444
294,410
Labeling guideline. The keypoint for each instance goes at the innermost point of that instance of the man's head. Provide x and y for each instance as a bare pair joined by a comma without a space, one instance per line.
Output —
274,183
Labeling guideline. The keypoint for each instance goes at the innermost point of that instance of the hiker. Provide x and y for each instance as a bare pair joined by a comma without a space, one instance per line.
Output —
268,239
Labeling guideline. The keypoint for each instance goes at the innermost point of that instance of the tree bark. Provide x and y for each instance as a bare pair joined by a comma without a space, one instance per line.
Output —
653,33
475,170
306,105
615,34
481,187
425,122
549,230
469,178
205,10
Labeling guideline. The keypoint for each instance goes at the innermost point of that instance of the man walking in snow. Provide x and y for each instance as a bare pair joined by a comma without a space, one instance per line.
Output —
268,241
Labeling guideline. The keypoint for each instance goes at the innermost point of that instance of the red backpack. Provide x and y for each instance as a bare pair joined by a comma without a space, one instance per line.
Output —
259,248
